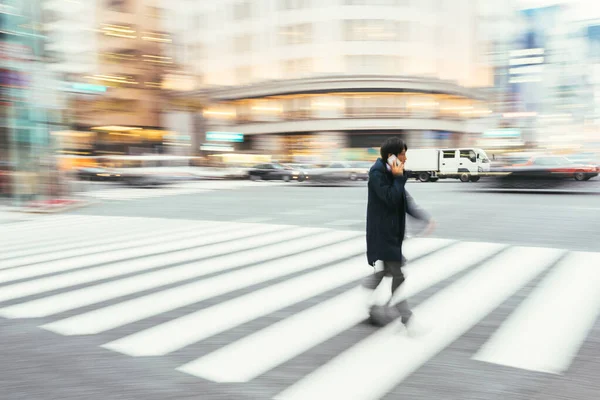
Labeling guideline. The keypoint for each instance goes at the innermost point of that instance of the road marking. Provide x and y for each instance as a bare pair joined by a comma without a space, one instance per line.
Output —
547,329
140,251
58,234
264,350
13,233
29,288
170,299
89,237
127,241
354,375
243,240
181,332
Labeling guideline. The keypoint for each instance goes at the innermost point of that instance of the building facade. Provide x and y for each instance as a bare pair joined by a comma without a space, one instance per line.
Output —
336,68
118,98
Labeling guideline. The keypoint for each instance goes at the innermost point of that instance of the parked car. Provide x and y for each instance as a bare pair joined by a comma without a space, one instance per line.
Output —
273,171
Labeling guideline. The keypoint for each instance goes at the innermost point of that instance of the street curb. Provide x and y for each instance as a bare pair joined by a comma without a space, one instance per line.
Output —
55,210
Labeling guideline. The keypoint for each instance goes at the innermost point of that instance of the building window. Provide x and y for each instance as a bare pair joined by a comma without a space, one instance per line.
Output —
118,5
295,34
120,31
154,12
378,30
297,67
370,64
159,37
242,10
120,56
293,4
242,43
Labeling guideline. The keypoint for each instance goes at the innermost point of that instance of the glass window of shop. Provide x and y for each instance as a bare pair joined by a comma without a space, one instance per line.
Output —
297,108
422,106
350,105
329,106
266,110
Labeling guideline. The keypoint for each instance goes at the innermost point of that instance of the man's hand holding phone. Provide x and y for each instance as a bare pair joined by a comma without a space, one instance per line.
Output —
396,166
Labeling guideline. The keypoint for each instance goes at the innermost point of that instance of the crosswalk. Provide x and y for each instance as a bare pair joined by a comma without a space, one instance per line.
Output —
123,193
156,280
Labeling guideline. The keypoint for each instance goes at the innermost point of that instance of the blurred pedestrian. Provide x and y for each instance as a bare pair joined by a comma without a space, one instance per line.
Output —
388,205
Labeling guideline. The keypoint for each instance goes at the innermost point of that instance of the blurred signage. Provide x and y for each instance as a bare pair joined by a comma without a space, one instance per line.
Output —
216,147
593,34
502,133
437,135
88,88
15,51
224,137
529,56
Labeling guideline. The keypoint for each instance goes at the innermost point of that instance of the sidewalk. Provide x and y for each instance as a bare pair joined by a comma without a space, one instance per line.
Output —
41,207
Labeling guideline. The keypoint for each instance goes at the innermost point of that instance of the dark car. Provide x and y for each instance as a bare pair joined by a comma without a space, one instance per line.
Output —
272,171
97,174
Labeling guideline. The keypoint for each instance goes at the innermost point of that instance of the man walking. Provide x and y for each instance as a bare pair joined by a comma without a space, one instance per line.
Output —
388,204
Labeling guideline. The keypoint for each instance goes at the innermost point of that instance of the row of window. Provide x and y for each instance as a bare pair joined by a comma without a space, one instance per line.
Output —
353,30
243,10
355,64
365,105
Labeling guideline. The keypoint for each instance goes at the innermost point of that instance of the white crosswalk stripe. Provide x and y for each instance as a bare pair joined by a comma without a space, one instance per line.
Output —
241,361
93,275
557,306
198,187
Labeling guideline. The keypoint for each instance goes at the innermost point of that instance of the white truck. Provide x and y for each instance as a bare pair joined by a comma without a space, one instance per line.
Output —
466,164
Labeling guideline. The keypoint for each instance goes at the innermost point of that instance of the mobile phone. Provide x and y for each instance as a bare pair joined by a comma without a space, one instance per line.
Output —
392,161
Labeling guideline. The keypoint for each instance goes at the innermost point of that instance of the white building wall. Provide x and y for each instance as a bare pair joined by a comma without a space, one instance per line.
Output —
437,39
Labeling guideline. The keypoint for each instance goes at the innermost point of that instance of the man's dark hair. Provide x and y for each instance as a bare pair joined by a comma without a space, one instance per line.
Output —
393,145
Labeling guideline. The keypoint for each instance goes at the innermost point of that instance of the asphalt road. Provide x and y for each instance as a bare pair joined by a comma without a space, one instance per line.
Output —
462,211
40,364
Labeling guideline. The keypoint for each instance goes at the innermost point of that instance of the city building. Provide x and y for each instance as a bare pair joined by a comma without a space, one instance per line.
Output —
118,77
296,75
31,107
